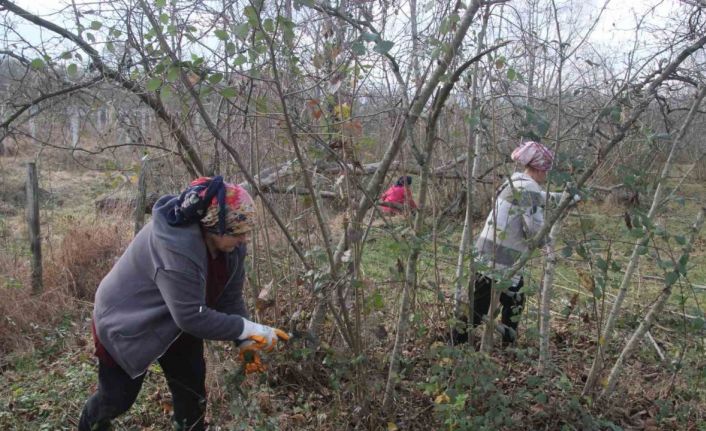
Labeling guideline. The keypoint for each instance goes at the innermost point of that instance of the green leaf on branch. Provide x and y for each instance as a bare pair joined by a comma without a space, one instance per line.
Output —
637,232
681,265
268,25
665,264
166,92
37,64
287,28
164,18
205,91
511,74
260,48
358,48
221,34
66,55
251,14
215,78
444,26
370,37
160,3
96,25
229,92
448,24
242,30
383,46
240,60
72,69
671,278
535,123
601,264
154,84
173,73
299,3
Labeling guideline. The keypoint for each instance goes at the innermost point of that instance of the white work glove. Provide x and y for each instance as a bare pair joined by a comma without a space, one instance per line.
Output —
556,196
260,337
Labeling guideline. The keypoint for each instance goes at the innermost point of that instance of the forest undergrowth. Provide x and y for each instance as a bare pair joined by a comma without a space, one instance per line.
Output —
47,368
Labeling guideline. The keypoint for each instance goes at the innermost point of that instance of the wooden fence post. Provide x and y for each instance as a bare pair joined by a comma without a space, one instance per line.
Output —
141,200
33,224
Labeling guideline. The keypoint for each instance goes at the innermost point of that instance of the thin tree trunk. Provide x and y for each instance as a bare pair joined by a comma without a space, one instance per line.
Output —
546,299
410,282
472,166
550,267
141,200
415,44
486,343
532,53
652,314
607,334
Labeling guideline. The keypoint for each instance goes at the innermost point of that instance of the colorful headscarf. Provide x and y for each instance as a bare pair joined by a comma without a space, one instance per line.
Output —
220,207
535,155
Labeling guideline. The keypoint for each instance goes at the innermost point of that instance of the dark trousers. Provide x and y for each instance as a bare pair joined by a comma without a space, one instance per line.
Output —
511,301
185,369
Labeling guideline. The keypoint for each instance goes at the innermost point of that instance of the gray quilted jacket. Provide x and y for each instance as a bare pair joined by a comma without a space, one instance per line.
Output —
157,290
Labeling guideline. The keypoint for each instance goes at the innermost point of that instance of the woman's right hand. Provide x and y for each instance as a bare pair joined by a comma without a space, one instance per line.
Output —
262,337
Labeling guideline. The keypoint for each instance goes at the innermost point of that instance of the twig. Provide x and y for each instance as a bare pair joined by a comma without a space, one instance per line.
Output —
656,346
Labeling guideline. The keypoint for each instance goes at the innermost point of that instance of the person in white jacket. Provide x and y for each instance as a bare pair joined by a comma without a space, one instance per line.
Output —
517,216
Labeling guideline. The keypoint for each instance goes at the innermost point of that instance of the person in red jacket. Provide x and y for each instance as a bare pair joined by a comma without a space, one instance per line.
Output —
398,198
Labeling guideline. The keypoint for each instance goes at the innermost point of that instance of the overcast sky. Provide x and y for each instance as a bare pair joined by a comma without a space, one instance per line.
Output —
614,29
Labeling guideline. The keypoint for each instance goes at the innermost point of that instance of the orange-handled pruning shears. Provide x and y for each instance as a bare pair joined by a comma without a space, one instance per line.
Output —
250,352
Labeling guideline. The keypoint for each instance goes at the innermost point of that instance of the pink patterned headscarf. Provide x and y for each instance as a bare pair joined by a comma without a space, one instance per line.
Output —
228,208
239,209
535,155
